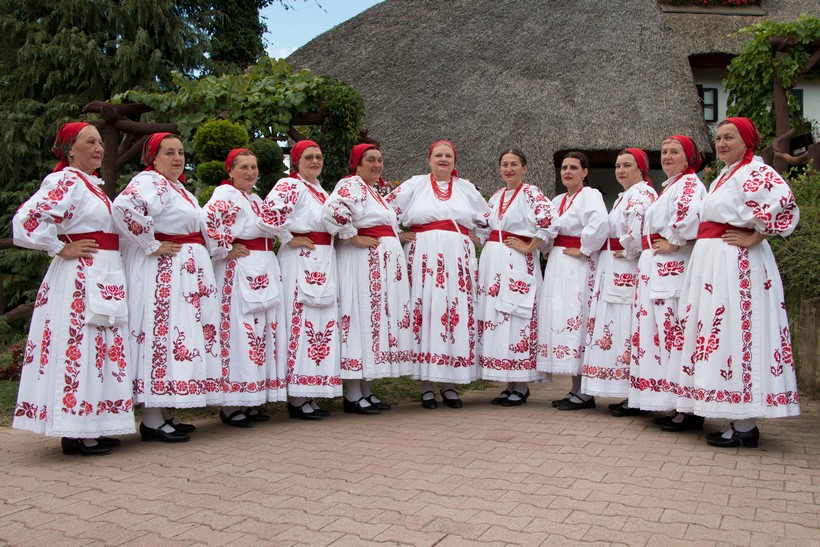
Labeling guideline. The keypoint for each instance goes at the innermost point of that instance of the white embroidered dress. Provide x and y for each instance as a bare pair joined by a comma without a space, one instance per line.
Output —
675,215
75,381
374,306
563,308
312,325
252,313
443,274
606,357
173,307
735,360
507,342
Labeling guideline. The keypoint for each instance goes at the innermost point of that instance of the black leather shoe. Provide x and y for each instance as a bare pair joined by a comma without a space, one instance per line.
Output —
621,410
148,434
244,422
380,405
77,446
566,399
355,407
255,415
109,442
749,439
297,413
569,405
690,421
429,403
662,420
452,403
181,427
616,406
320,411
501,398
522,398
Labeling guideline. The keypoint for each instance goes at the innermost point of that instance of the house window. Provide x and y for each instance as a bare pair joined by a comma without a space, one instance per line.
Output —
708,101
797,95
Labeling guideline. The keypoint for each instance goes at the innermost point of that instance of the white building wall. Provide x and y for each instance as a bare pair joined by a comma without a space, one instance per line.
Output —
713,77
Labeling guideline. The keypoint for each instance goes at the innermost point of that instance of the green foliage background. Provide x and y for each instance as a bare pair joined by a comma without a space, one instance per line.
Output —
264,100
750,78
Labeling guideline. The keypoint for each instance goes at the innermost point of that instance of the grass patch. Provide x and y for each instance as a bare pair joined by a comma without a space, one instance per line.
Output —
8,398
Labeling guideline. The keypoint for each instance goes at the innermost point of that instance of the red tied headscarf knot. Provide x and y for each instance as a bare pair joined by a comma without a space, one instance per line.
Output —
66,137
693,157
748,132
642,159
454,172
296,153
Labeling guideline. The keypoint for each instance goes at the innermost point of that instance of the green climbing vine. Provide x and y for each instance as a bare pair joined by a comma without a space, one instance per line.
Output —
750,79
264,100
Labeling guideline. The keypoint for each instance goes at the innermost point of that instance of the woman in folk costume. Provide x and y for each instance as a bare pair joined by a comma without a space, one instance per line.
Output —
309,284
669,225
509,278
173,307
735,359
443,212
374,307
252,322
75,382
563,307
606,359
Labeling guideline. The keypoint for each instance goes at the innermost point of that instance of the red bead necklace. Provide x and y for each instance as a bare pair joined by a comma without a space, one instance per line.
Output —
442,195
564,206
502,207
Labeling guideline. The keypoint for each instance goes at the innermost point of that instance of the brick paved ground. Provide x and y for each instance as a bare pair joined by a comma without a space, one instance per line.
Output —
483,474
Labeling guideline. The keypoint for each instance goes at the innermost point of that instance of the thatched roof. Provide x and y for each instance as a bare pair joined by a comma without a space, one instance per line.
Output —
545,76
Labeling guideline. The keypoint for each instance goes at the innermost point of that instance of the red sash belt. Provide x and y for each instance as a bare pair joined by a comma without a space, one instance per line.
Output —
567,241
710,230
377,231
615,244
652,239
193,238
317,238
106,241
447,225
257,243
494,236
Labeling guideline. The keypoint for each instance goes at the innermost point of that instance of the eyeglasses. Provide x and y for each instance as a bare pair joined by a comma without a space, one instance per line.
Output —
317,157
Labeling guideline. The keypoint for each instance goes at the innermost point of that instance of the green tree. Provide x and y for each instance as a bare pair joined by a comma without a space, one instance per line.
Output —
56,57
237,34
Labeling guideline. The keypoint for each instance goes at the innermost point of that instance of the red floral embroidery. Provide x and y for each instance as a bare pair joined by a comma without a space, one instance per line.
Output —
671,268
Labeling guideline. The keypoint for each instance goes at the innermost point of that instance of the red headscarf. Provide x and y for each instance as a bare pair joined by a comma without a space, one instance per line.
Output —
454,172
356,156
642,160
150,149
748,132
231,159
693,157
296,153
66,137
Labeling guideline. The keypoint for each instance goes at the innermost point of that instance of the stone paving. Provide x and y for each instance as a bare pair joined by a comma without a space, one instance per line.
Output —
489,475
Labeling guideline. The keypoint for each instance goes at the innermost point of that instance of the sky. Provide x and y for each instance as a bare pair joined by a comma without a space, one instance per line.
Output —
289,29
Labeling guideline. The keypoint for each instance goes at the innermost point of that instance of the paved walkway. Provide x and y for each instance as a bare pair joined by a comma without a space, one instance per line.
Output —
480,475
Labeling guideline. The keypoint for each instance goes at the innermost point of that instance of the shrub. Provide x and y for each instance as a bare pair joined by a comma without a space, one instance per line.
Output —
798,255
269,156
211,173
214,139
